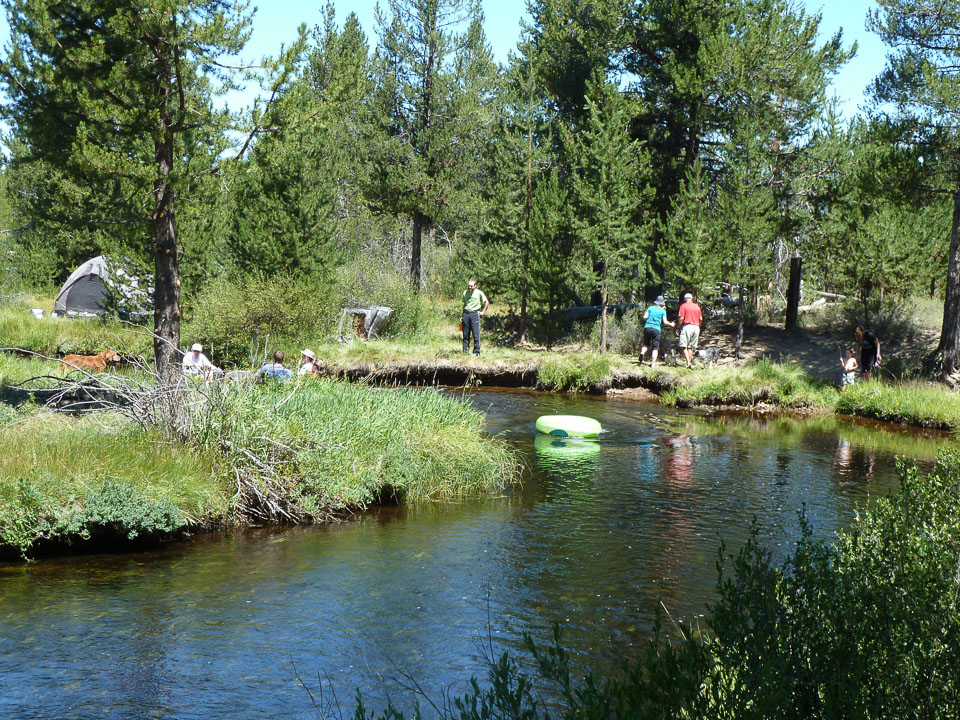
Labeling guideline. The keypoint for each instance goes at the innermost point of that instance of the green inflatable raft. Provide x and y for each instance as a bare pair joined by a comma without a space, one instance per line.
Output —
568,426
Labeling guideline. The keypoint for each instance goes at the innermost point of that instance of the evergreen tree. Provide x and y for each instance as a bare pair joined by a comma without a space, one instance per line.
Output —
611,192
124,90
919,93
434,73
520,155
693,69
298,204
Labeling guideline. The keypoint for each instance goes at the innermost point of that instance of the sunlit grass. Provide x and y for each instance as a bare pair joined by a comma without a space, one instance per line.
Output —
918,404
786,385
354,443
55,468
61,336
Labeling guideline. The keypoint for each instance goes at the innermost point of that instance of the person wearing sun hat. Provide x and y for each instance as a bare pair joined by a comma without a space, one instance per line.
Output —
654,319
309,364
196,363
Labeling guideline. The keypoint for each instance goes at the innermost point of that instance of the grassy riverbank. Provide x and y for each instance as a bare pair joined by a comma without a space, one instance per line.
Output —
431,355
276,453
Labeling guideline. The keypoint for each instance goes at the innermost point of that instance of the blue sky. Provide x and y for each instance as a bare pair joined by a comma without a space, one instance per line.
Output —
277,22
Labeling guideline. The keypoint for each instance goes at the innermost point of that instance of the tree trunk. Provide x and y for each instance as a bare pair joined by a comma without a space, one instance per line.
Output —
527,204
793,294
415,246
603,310
166,294
738,344
948,351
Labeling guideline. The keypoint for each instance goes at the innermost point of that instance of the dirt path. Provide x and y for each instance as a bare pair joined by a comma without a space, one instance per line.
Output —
817,353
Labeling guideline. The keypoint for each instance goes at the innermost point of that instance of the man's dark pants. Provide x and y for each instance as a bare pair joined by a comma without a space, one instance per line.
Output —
471,324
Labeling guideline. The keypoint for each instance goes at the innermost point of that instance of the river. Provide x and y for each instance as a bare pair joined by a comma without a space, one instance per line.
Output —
599,535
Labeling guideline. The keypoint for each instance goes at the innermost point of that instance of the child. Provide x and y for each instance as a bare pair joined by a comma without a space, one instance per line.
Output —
850,365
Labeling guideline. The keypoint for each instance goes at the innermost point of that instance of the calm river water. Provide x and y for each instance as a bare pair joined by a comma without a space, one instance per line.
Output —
597,537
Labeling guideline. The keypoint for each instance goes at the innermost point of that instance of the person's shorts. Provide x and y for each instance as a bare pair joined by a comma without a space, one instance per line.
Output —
651,338
689,337
868,359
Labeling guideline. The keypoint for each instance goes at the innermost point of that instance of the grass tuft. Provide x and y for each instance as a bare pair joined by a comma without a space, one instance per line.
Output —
574,372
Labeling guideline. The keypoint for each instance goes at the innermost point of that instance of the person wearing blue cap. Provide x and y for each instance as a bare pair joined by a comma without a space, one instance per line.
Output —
654,319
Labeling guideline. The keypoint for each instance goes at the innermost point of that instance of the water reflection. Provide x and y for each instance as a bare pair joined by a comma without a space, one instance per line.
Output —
599,534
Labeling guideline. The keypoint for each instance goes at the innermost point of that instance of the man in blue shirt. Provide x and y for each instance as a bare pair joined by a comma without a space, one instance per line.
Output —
654,319
275,370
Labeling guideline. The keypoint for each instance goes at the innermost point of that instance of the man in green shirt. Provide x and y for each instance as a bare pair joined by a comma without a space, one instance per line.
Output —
474,306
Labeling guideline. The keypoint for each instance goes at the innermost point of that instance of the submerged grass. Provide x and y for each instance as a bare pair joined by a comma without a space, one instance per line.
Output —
912,403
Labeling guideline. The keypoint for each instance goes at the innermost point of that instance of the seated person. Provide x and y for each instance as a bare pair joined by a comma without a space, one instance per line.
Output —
196,363
275,370
309,364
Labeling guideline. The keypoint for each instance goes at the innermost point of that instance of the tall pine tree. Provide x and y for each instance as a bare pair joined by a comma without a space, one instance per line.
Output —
111,90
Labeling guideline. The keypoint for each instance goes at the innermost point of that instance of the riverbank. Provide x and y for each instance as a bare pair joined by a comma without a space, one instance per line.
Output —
761,383
432,358
308,453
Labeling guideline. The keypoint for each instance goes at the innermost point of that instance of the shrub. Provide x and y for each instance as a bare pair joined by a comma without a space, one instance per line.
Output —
624,333
241,320
370,282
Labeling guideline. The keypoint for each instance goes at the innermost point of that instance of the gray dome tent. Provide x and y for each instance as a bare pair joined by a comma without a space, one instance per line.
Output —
84,290
89,287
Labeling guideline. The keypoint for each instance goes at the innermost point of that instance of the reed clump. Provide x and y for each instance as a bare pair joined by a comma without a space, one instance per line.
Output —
574,372
323,447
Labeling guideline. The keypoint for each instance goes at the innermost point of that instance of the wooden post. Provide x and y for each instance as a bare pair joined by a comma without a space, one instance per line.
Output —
793,294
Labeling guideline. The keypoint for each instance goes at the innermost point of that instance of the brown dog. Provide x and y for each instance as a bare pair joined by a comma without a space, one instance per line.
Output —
90,363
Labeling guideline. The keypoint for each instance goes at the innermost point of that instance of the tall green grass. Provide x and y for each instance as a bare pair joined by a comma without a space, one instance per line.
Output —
353,444
574,372
917,404
786,385
61,336
64,477
318,448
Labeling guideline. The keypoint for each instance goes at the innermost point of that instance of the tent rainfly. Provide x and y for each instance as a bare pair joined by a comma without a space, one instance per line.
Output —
88,287
84,290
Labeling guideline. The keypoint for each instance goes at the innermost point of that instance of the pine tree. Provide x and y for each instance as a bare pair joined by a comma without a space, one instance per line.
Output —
920,92
611,191
124,90
434,72
299,203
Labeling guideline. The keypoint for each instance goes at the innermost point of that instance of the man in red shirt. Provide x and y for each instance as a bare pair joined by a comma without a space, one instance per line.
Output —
688,326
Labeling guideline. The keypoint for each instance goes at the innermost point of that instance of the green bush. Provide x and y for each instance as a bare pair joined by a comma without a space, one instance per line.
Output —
240,321
624,333
372,282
